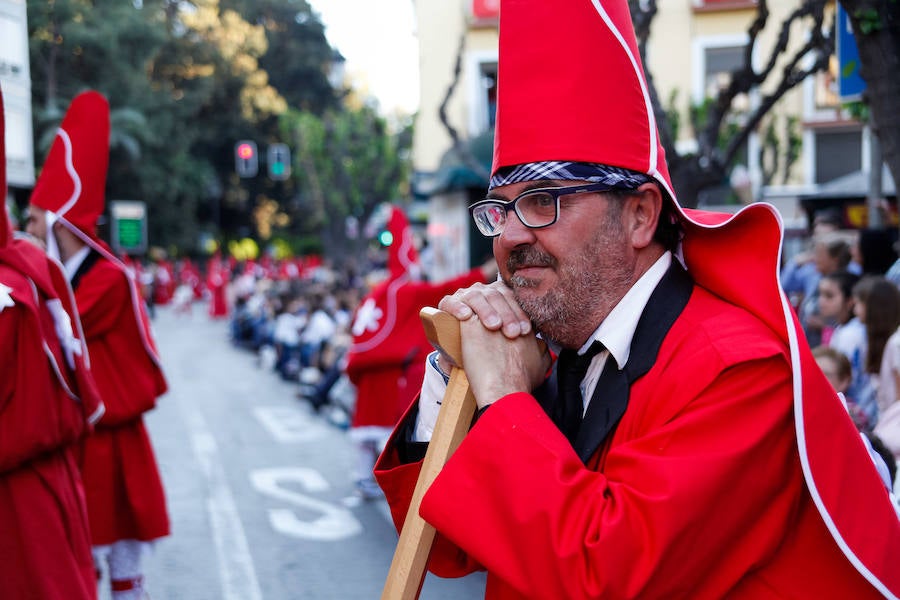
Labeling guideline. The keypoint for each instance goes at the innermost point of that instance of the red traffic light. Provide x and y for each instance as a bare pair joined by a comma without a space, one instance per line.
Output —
246,162
245,151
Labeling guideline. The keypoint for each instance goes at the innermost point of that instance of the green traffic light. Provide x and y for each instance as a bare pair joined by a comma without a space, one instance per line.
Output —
386,238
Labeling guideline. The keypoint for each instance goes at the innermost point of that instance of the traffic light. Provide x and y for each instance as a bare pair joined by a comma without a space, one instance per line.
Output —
278,160
246,160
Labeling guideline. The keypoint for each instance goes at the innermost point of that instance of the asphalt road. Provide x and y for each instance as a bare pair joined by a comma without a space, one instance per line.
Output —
259,488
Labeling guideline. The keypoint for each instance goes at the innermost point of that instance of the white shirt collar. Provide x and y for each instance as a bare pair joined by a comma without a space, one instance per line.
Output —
617,329
74,261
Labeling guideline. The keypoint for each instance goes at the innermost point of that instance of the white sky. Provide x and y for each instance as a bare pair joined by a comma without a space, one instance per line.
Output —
377,38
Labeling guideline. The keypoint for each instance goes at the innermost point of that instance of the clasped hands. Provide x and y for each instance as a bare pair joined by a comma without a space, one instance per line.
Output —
501,354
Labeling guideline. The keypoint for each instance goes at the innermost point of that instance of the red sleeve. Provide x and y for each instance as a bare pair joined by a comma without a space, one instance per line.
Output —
665,511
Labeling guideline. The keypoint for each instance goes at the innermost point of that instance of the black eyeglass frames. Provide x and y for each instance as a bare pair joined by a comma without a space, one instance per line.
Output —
536,208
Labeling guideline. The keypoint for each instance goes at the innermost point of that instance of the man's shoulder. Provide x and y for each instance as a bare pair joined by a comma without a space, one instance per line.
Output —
710,324
104,273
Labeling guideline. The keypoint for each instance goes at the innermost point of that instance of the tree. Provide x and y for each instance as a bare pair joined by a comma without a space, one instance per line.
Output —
347,163
721,129
184,81
876,27
298,58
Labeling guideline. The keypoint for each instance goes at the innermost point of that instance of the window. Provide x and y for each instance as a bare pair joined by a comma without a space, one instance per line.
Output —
715,58
489,83
837,153
718,63
482,91
826,87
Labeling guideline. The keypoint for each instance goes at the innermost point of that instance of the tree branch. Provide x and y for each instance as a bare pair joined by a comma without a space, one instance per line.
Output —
458,146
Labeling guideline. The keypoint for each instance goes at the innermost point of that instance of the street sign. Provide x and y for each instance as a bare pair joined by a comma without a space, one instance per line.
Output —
129,226
851,85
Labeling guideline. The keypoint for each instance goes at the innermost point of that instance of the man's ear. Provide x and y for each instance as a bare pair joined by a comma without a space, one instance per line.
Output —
644,207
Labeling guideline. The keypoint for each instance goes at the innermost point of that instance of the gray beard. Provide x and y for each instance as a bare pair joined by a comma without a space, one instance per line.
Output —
589,287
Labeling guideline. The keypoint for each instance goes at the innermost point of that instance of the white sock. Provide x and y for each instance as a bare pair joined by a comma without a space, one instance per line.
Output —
125,569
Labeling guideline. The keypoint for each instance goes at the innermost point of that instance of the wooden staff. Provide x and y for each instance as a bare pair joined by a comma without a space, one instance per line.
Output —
404,580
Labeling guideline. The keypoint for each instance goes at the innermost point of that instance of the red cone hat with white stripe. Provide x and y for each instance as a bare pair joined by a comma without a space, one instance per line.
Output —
402,255
571,88
72,181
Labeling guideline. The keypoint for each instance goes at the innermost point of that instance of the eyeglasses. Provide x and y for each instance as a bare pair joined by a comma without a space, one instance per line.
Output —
535,208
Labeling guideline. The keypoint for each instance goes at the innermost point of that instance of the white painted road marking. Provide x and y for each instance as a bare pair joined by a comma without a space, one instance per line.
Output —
335,522
236,570
289,424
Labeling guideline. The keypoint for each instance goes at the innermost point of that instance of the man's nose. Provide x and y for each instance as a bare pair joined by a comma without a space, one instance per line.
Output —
515,232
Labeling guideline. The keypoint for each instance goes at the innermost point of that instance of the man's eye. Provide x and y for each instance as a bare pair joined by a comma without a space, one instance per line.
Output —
543,200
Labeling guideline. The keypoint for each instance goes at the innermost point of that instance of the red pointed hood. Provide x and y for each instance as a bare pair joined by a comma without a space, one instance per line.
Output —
402,256
571,87
73,178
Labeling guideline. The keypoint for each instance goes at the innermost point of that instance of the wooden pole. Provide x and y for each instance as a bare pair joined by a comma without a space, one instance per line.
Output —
407,572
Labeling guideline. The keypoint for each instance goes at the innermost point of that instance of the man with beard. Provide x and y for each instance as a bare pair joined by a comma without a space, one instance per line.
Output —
686,443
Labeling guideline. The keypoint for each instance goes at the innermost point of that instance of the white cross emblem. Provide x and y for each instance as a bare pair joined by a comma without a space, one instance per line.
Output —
5,297
368,317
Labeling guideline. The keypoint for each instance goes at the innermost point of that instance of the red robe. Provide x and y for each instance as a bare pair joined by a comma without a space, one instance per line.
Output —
122,482
735,471
699,454
217,282
45,408
386,361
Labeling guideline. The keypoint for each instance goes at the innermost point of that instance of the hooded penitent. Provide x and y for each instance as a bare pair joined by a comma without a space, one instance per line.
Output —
378,315
387,356
586,72
71,188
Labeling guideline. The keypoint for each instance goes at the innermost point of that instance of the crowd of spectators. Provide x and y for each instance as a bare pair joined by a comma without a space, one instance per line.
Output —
850,313
299,327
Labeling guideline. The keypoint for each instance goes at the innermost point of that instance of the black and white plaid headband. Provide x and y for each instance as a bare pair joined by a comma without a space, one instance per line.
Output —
615,177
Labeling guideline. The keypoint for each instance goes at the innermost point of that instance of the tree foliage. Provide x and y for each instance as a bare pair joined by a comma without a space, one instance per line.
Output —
347,164
185,81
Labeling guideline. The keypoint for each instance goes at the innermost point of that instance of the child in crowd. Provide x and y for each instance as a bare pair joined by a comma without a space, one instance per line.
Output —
848,336
836,368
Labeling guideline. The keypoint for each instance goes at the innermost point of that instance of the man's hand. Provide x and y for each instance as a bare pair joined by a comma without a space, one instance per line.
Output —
497,365
495,306
500,353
